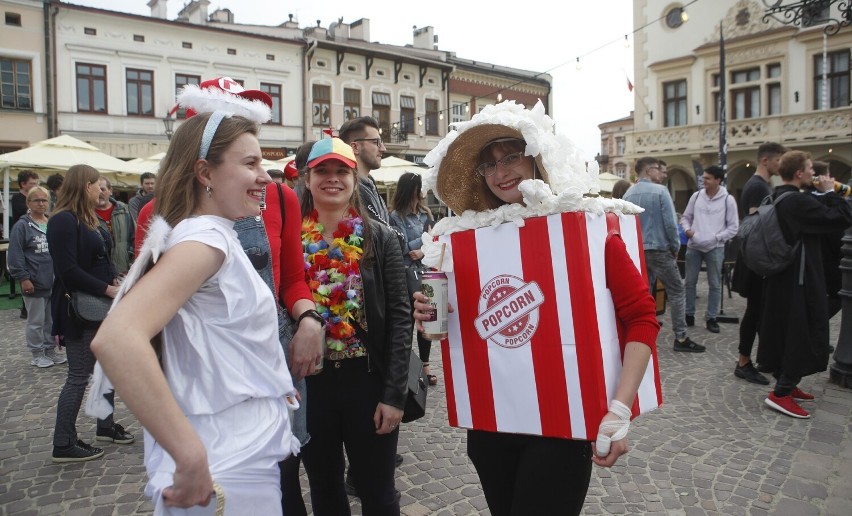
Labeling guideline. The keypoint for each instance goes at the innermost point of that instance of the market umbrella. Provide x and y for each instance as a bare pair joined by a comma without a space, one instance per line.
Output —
392,168
607,181
58,155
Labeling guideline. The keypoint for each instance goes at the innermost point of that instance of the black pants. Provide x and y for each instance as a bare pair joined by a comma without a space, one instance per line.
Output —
526,474
81,364
340,414
751,318
292,503
424,347
785,384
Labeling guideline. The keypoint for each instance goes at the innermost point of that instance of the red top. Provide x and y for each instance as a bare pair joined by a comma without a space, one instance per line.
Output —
142,221
635,309
291,285
106,215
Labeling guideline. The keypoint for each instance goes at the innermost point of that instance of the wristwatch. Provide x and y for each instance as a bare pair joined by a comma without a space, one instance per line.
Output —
313,314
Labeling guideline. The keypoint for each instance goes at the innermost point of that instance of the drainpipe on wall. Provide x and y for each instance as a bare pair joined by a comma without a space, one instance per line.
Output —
48,67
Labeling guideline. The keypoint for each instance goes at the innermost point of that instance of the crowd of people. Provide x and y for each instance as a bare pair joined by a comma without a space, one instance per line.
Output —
279,315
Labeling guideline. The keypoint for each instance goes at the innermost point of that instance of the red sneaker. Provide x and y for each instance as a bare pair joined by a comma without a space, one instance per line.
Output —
786,405
800,395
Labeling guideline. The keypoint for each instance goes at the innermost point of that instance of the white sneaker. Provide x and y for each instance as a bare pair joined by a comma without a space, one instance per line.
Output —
55,356
42,361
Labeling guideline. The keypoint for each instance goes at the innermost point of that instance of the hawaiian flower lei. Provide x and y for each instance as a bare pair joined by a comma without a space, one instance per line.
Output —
333,274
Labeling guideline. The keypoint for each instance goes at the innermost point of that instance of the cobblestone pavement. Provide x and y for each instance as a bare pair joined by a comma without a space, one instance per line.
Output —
713,448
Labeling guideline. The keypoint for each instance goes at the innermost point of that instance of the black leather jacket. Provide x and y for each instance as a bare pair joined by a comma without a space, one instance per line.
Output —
388,313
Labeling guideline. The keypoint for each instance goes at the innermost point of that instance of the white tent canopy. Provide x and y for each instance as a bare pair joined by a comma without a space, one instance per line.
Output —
607,181
58,155
392,168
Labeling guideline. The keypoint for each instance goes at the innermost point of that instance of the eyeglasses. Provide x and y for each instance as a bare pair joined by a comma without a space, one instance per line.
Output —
376,141
507,161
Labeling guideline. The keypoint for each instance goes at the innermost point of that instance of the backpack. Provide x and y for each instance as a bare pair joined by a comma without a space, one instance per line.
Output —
763,247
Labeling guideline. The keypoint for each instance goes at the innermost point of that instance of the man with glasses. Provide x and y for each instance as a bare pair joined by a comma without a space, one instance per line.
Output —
362,134
661,243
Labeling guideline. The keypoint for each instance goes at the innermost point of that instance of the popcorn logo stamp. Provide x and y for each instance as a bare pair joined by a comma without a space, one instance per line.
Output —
508,311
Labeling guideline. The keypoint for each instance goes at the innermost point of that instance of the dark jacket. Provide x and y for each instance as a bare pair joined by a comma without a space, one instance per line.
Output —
123,236
388,313
80,263
794,319
28,257
137,201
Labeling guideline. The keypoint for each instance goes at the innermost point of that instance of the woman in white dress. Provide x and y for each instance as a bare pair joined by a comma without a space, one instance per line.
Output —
215,404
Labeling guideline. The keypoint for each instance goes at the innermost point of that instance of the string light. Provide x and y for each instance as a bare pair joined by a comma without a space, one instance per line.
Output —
578,66
626,42
499,97
419,121
441,115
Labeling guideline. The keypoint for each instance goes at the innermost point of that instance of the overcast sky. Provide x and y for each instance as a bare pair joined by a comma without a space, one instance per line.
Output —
530,35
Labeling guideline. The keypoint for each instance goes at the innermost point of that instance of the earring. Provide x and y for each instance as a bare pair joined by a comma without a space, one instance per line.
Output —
209,191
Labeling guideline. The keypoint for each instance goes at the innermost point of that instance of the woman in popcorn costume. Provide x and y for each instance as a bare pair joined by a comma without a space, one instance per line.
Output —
500,166
354,268
215,403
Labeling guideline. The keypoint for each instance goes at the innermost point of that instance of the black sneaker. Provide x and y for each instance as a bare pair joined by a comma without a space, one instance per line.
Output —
712,326
116,435
688,346
750,374
80,452
690,320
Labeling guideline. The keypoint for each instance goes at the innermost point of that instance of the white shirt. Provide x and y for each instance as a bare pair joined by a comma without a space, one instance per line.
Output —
222,346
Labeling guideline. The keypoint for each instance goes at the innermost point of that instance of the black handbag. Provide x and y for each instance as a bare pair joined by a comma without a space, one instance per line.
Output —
89,308
415,402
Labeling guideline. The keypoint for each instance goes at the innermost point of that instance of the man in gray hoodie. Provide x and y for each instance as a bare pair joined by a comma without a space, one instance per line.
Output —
710,220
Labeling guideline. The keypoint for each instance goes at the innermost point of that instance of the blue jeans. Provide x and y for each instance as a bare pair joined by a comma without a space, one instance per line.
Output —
713,259
662,265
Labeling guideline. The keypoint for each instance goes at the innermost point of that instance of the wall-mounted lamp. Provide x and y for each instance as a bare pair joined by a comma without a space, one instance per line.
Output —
168,125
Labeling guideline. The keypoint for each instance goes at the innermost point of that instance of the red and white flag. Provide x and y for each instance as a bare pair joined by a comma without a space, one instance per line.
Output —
539,352
629,85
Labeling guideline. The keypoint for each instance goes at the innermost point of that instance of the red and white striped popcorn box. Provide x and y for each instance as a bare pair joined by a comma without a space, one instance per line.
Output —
533,346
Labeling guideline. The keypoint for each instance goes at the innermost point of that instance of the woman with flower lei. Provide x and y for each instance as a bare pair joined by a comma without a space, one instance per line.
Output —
354,269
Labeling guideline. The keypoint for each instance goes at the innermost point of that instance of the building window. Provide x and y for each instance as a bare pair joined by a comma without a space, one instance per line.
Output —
675,17
270,57
186,44
15,84
351,104
274,91
91,88
13,19
773,89
182,80
321,106
406,115
381,109
836,77
619,146
139,38
140,92
458,112
90,31
674,103
745,94
232,51
432,117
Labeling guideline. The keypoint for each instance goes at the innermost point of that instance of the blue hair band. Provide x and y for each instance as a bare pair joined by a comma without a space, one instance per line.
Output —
209,132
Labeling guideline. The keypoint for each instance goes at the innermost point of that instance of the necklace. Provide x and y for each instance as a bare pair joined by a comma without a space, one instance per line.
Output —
333,274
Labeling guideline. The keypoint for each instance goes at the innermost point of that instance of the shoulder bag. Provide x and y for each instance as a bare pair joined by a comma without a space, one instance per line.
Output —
89,308
415,400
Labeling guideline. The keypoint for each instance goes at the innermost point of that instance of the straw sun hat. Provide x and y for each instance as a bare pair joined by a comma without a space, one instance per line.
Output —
453,161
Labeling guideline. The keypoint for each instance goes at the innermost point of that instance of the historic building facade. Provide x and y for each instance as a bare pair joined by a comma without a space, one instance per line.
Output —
788,84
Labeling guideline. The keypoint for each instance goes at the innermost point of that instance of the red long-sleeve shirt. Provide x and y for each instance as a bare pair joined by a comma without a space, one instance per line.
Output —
635,309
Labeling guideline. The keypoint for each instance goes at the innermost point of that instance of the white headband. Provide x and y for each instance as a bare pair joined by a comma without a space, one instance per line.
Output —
210,131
